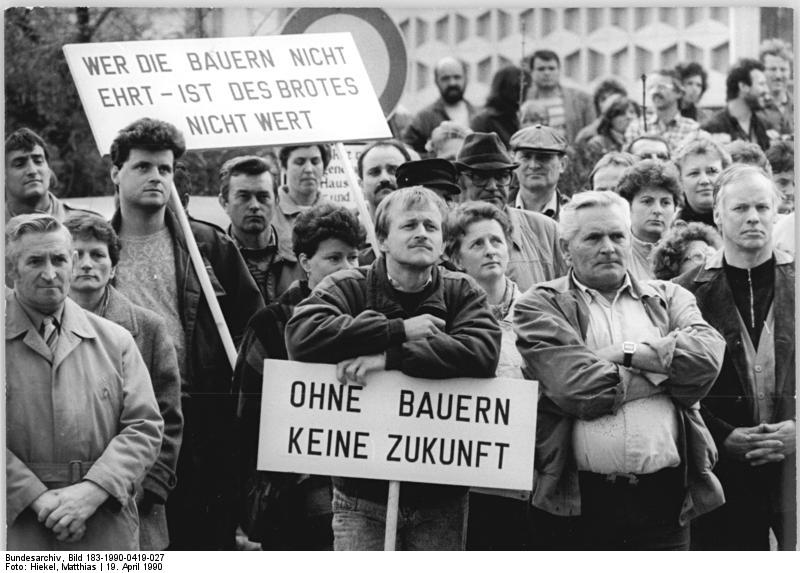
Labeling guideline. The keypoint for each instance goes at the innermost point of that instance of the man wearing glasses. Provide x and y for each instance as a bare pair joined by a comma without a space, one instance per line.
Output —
649,146
665,90
486,168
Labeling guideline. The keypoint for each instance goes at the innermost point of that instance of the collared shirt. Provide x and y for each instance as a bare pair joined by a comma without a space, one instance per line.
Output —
551,208
642,436
675,131
286,213
37,317
639,260
56,208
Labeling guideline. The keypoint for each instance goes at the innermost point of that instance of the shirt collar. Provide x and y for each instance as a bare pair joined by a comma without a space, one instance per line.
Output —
550,208
593,293
37,317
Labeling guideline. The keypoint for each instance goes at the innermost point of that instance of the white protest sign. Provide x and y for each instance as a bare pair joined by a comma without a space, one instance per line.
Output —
335,186
231,92
464,431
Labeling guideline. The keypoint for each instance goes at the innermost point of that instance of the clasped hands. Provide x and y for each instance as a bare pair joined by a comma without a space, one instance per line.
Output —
762,444
355,370
65,510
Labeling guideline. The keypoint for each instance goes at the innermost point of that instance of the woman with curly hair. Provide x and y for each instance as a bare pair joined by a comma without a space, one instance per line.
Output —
684,246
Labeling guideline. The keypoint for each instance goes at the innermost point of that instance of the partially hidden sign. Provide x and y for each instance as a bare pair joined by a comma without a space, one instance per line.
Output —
472,432
231,92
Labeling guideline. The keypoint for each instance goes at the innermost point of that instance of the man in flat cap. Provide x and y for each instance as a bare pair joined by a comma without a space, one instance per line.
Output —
541,153
534,253
438,175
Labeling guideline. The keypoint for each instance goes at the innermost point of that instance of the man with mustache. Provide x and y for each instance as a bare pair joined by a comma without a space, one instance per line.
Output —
29,177
450,76
249,193
666,90
621,363
154,271
746,292
404,312
486,169
541,152
654,192
377,169
746,92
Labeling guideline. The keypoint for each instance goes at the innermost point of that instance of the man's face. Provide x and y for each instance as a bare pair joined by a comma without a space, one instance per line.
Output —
599,251
27,175
93,268
43,271
144,179
652,211
746,214
451,82
692,89
776,69
379,167
538,172
414,238
607,178
651,149
545,73
250,202
755,95
663,92
699,172
487,185
332,255
784,181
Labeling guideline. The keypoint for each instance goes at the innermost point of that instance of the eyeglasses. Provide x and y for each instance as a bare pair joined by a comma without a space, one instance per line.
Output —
481,179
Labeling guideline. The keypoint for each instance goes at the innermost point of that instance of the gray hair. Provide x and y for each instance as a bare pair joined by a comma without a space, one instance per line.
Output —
737,172
35,223
568,220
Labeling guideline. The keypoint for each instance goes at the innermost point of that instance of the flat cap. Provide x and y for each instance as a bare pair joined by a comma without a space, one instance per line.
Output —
437,174
541,138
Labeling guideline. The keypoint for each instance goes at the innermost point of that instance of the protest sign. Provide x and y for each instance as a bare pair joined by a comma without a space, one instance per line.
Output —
464,431
334,186
231,92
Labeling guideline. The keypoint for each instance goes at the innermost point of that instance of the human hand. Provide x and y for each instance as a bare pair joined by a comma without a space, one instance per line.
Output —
78,503
776,441
742,441
355,370
44,505
423,326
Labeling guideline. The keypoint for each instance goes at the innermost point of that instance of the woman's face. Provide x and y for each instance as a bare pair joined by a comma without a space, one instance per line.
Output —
93,268
696,253
484,252
699,172
304,171
620,123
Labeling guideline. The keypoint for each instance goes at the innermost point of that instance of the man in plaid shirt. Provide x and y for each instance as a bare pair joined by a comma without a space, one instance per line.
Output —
665,91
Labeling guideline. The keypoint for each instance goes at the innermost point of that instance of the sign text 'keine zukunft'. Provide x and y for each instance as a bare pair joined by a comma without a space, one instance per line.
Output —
475,432
231,92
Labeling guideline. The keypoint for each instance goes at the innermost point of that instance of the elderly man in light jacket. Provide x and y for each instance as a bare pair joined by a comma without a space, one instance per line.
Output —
82,421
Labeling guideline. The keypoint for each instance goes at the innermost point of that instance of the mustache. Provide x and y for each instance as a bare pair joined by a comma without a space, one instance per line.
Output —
388,185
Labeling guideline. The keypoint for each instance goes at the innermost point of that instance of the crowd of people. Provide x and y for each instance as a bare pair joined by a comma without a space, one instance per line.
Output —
639,266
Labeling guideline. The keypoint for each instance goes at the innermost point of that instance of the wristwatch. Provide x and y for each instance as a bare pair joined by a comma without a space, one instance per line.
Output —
628,348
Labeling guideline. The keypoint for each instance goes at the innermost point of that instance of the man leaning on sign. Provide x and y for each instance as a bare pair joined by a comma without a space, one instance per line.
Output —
402,313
